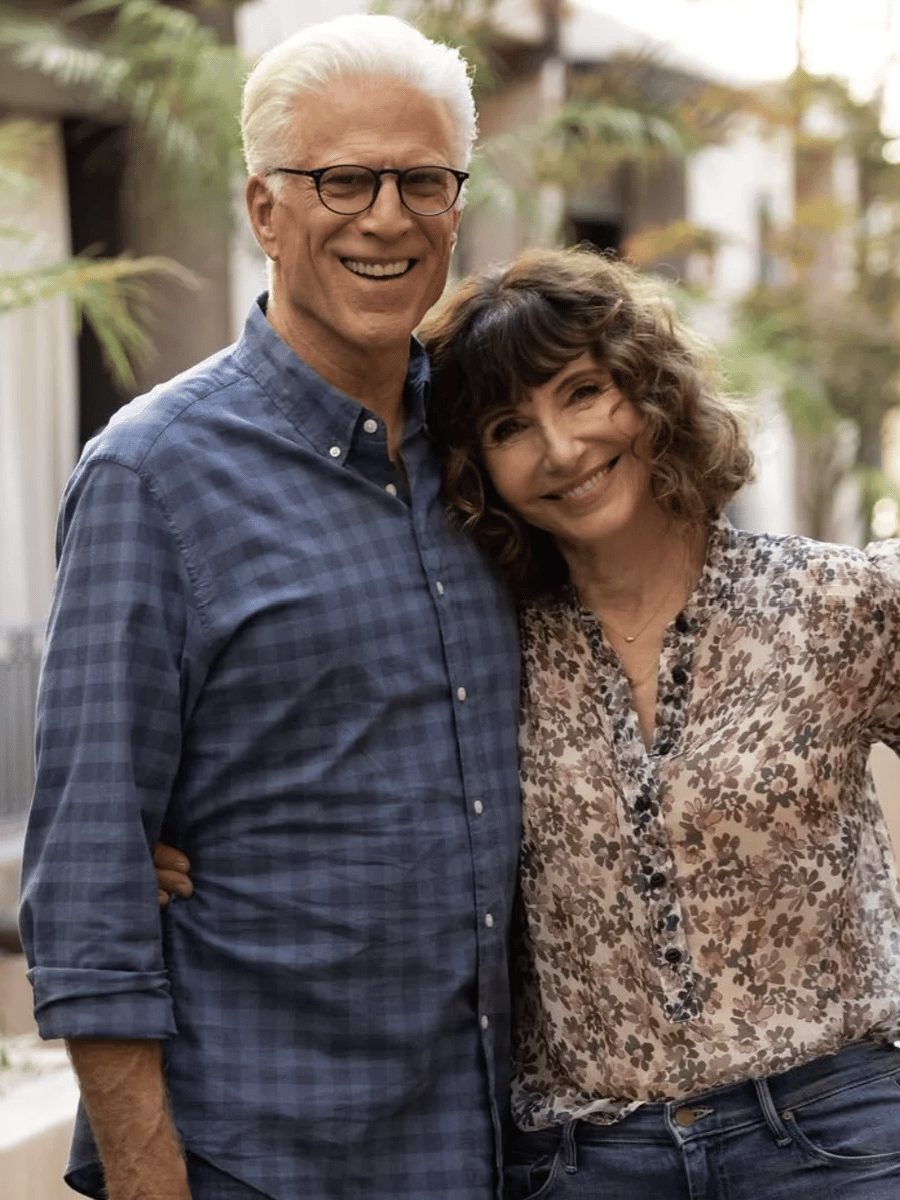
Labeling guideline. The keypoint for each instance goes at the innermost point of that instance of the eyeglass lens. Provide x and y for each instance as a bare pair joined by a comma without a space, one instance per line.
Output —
424,190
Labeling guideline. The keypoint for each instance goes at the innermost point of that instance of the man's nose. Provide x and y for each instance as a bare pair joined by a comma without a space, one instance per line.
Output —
387,208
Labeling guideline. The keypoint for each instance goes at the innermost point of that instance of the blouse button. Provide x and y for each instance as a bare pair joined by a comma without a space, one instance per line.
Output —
657,879
335,452
370,426
681,624
672,956
391,489
679,675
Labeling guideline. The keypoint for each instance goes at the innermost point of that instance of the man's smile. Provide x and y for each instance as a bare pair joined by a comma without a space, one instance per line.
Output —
373,270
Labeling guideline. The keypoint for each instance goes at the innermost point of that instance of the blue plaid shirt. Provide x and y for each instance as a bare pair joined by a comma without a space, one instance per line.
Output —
269,648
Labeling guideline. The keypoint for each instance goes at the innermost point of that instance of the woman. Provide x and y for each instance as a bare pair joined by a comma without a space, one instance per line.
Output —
708,892
708,982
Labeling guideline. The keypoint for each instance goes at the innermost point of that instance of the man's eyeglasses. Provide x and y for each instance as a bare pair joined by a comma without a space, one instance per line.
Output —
349,190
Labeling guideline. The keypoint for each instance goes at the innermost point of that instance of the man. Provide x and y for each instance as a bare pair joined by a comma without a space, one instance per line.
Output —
268,647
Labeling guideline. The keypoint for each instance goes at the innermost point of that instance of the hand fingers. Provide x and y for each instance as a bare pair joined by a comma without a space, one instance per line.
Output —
174,881
169,858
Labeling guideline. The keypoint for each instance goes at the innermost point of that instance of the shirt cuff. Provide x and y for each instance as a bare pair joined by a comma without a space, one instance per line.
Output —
69,1003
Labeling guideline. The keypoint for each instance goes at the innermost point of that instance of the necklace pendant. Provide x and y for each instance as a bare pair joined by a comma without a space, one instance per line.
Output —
629,639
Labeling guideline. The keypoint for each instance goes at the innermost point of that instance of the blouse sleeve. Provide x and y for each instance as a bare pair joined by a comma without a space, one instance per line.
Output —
884,560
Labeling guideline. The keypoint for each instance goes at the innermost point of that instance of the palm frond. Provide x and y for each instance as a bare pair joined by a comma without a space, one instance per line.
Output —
156,64
111,294
585,139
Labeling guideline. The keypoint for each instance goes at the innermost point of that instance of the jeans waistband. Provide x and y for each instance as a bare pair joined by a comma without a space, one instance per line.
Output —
750,1101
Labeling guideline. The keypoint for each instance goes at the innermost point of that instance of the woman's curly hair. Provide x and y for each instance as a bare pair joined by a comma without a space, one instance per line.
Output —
513,328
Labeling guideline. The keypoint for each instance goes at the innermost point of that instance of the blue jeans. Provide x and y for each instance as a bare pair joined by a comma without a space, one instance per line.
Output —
828,1130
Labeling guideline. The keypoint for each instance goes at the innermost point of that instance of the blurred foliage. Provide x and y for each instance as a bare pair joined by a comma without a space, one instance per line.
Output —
612,115
652,244
160,68
164,73
111,293
831,324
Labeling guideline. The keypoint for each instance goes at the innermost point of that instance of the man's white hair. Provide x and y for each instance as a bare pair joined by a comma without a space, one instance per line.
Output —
319,56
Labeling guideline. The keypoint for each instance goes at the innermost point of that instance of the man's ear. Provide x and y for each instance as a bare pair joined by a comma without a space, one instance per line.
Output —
260,207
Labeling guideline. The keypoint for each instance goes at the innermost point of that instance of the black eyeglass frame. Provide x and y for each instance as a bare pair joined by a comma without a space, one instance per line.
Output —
398,173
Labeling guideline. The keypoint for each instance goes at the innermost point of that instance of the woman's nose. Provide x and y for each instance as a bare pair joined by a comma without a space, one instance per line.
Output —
561,447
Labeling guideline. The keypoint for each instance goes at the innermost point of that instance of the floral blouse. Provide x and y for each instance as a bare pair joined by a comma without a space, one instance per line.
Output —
725,905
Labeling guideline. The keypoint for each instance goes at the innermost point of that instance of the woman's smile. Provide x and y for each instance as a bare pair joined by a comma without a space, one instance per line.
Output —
585,487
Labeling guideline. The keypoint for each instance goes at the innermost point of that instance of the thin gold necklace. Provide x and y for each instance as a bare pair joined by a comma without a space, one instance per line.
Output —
681,577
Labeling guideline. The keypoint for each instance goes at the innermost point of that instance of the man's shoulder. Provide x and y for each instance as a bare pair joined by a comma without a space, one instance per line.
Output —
174,412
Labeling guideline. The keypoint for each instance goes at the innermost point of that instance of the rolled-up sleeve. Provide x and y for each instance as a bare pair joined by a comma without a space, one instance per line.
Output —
108,751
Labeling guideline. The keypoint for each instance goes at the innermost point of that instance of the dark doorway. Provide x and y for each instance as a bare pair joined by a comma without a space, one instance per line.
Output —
604,234
95,166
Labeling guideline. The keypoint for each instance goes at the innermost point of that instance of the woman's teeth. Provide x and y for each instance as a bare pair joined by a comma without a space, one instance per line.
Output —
584,488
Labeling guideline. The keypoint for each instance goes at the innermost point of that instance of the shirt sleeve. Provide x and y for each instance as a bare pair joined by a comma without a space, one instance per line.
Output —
884,558
108,749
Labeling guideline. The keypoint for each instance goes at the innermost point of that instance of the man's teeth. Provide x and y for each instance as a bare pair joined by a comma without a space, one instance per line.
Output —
378,270
584,488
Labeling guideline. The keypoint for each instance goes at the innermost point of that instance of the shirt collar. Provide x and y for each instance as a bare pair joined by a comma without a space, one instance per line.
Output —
324,416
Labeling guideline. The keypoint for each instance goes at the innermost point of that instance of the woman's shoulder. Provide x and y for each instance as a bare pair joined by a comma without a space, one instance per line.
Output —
805,563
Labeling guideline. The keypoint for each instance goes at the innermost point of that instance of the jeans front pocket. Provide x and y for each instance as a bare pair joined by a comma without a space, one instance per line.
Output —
858,1126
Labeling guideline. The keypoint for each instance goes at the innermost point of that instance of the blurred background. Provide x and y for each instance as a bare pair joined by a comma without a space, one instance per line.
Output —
745,151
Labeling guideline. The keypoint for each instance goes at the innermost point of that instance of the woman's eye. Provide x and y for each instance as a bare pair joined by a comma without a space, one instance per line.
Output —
587,391
504,429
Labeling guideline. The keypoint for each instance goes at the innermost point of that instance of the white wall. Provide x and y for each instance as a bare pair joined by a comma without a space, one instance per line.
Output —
727,187
38,389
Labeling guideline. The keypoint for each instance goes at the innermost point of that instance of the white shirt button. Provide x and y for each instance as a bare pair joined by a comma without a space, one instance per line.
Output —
489,920
479,808
485,1022
439,588
370,426
391,489
335,452
461,693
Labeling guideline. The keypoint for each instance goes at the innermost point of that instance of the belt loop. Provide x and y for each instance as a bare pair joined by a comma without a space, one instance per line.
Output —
569,1148
773,1120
